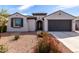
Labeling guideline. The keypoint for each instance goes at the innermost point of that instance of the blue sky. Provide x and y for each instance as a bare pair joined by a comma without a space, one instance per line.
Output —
74,10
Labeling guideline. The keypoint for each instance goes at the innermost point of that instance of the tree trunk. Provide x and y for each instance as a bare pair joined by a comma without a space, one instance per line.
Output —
0,35
1,31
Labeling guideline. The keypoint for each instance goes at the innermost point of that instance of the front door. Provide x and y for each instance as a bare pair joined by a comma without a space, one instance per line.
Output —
39,25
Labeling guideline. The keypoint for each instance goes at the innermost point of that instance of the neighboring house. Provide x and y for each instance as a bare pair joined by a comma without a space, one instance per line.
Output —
77,23
57,21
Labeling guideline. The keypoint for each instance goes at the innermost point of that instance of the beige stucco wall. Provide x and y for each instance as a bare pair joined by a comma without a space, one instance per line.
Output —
73,25
45,25
56,16
31,25
25,24
40,17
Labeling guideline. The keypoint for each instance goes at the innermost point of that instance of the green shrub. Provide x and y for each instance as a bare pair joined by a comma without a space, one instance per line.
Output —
16,37
4,29
43,47
3,49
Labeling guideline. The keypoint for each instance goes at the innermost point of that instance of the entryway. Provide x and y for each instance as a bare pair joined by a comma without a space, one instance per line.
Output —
39,25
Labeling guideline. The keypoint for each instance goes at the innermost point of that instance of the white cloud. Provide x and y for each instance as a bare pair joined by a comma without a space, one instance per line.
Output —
24,13
28,3
61,7
65,3
24,7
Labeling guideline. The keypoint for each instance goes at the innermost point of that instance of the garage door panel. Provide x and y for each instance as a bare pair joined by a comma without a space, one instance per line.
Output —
59,25
58,29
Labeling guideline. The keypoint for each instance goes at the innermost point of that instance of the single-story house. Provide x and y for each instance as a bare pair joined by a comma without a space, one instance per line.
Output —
57,21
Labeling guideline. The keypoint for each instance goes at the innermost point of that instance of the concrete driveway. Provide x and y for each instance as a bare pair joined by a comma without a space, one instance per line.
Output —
69,39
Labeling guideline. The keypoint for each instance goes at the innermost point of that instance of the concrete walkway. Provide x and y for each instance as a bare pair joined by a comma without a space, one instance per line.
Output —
69,39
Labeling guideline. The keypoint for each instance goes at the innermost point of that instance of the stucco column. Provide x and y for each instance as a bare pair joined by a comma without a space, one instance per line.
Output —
73,25
26,25
45,24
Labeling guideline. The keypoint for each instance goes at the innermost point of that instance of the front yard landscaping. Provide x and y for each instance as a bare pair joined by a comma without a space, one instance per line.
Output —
49,44
29,42
18,42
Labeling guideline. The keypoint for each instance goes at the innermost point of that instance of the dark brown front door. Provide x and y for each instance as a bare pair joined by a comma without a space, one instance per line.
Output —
39,25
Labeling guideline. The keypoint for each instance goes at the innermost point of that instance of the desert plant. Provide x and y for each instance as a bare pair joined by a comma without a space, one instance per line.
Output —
43,43
3,18
16,37
3,49
41,34
43,47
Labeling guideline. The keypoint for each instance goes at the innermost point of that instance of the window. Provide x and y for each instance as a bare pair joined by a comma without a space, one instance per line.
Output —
17,22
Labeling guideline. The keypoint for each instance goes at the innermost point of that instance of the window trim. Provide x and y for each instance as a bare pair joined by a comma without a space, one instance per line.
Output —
14,19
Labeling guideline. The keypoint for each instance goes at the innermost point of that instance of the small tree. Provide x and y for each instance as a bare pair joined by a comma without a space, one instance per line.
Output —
3,22
3,18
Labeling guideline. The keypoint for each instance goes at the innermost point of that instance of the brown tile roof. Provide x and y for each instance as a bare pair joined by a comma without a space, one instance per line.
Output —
39,13
31,17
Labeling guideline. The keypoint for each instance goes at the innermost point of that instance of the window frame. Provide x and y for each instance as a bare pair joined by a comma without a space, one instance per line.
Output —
14,22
